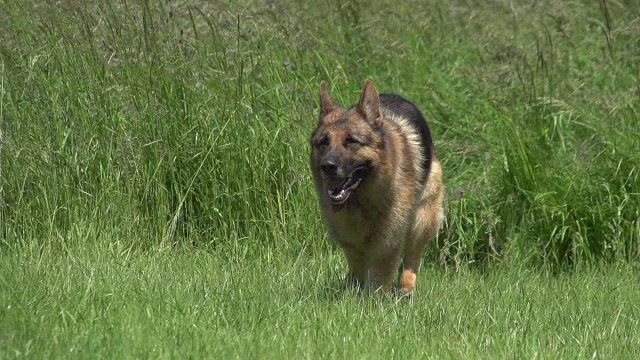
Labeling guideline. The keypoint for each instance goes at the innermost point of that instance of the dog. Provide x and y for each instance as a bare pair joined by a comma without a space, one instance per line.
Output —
379,182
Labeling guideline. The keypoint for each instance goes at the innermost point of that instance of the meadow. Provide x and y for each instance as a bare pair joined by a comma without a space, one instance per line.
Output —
156,199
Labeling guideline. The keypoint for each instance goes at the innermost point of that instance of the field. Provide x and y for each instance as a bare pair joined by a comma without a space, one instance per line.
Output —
156,200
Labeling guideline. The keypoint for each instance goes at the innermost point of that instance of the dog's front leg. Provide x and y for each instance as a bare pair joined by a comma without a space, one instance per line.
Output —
358,267
383,270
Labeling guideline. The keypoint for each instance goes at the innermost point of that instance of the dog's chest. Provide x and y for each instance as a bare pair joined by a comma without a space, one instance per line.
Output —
352,229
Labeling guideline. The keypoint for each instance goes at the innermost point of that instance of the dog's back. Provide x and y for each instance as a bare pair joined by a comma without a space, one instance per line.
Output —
395,106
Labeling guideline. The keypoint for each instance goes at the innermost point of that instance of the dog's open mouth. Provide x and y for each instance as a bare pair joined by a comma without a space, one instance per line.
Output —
339,189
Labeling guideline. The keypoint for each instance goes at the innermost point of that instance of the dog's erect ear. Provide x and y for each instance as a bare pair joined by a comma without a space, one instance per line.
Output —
369,105
326,104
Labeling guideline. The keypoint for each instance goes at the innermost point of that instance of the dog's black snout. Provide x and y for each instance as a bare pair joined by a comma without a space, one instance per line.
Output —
329,166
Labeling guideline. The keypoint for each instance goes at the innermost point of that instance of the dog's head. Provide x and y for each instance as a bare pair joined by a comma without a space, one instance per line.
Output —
346,145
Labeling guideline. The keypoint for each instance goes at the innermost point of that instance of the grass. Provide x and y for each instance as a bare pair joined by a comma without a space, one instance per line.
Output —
155,198
105,303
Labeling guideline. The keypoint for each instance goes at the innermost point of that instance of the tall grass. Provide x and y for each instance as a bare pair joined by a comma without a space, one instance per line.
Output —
187,122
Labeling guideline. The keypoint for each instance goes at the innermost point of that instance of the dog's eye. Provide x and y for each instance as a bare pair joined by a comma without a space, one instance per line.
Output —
350,140
324,142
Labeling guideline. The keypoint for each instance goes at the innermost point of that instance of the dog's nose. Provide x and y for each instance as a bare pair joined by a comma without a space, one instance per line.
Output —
329,166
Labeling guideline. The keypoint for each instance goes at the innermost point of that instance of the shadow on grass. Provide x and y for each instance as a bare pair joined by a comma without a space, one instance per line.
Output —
338,289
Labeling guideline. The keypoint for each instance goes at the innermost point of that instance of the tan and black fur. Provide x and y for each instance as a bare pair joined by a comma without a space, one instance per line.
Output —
380,187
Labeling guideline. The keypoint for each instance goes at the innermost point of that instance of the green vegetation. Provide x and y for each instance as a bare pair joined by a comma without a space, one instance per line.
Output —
155,198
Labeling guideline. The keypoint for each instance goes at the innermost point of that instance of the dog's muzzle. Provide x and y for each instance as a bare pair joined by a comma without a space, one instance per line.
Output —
340,184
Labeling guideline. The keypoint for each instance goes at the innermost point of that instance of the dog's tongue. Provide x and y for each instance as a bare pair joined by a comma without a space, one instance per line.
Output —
337,207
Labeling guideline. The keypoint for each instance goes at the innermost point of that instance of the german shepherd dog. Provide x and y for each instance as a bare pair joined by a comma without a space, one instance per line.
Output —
380,185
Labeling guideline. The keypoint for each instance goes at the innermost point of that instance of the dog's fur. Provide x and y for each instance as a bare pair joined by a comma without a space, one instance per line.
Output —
380,185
